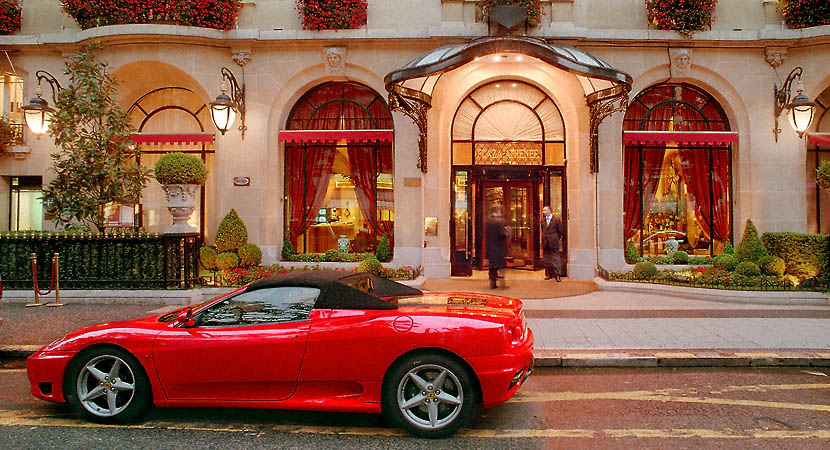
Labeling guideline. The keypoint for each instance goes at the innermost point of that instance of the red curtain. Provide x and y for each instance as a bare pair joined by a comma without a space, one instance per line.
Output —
386,198
711,201
364,174
652,165
307,190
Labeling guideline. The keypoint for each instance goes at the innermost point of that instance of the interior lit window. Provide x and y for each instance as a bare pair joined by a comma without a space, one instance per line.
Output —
26,206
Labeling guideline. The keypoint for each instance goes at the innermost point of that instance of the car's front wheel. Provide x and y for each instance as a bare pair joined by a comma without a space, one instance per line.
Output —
107,385
429,395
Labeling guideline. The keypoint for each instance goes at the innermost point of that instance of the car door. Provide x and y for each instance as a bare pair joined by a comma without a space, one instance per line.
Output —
246,347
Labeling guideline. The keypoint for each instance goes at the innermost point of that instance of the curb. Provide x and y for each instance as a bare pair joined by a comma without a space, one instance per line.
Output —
680,358
783,298
622,359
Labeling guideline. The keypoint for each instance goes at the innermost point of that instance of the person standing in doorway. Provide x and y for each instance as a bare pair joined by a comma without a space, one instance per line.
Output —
496,235
551,235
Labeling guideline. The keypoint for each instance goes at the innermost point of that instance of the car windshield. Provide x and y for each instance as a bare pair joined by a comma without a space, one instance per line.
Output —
171,316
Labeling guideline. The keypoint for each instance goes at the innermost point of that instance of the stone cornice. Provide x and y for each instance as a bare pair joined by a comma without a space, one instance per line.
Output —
564,32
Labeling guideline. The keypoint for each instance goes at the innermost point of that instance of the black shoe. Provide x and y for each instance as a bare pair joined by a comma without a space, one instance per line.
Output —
558,280
548,278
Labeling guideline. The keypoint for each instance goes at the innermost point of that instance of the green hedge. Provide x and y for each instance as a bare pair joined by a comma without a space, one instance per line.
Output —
805,255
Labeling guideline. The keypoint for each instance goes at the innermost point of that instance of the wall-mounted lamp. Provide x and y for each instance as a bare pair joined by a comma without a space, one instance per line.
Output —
224,109
799,109
37,114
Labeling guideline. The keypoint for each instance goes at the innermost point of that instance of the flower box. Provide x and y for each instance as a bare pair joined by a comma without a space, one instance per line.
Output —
218,14
682,16
319,15
9,16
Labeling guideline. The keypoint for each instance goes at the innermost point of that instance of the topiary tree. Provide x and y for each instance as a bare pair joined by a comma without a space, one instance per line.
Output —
751,248
631,253
95,163
726,262
227,260
384,252
772,265
287,249
748,269
728,249
231,233
371,265
180,168
645,270
823,175
207,257
680,257
249,255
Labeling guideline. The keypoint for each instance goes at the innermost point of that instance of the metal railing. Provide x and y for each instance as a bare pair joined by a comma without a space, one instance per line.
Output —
102,261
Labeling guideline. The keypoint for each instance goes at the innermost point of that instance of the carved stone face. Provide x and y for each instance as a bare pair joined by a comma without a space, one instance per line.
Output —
681,61
334,60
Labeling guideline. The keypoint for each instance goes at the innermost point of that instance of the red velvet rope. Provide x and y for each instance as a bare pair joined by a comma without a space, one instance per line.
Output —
52,282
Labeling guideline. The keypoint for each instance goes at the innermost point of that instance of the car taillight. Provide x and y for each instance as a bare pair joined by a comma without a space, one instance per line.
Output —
514,333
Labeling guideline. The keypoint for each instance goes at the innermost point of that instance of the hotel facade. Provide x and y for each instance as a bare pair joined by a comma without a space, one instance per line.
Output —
415,125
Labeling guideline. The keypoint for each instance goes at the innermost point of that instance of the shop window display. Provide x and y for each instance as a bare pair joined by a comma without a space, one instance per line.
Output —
340,193
677,194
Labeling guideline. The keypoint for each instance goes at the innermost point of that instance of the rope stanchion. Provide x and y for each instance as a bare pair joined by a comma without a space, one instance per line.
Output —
56,275
53,283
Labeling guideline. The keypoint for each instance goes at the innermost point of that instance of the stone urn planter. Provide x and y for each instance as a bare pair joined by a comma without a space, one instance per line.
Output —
180,176
181,201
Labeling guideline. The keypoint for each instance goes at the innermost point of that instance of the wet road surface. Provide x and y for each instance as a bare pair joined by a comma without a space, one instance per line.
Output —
576,408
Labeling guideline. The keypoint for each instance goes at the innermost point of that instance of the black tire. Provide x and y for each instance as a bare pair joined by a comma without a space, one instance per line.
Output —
409,407
93,372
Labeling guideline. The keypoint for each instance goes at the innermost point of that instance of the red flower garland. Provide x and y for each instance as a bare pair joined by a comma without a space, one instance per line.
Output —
9,16
7,135
332,14
682,16
218,14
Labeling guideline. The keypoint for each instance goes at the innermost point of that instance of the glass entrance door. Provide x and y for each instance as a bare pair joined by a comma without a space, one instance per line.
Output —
515,199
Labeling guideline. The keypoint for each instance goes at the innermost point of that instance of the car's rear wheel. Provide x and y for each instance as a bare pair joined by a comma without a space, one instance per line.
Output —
429,395
107,385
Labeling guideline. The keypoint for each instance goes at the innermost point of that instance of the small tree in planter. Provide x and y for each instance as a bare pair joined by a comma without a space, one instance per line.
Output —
180,176
95,163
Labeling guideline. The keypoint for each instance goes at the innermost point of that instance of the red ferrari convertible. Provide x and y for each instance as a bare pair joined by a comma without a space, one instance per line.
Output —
320,340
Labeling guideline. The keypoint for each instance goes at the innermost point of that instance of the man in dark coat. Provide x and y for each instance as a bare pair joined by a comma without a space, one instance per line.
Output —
496,234
551,234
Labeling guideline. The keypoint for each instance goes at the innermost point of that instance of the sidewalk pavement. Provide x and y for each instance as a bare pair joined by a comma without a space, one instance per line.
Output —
621,325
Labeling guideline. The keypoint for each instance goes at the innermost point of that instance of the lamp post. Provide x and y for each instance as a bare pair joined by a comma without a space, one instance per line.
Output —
799,109
224,109
37,114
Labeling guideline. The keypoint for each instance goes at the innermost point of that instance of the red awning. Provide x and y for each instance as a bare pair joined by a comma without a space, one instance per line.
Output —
680,137
173,138
336,135
818,139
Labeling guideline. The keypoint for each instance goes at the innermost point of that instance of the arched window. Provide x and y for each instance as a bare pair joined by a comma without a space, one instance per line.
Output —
338,169
818,151
677,171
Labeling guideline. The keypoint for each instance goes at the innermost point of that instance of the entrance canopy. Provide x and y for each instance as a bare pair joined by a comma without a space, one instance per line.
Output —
418,78
410,87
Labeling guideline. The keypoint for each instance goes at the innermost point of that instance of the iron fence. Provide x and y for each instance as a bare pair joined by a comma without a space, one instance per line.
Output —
102,261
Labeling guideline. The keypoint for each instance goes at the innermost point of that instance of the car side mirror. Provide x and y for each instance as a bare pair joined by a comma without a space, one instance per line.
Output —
186,318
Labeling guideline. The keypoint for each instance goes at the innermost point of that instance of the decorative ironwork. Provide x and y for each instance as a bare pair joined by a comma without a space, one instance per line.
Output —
416,109
602,104
510,153
103,261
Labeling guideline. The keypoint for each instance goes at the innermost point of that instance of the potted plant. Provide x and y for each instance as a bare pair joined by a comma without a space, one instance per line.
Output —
180,176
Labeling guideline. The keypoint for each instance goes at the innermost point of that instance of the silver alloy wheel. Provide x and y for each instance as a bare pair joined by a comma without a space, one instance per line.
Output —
430,397
106,385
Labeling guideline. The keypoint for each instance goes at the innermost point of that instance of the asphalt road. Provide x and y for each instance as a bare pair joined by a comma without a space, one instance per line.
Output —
578,408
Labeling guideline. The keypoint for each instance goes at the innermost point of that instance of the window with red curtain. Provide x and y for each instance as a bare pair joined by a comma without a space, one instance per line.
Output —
818,151
678,195
339,192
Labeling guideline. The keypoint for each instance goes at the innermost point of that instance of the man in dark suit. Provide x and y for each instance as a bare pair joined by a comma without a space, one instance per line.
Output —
495,236
551,234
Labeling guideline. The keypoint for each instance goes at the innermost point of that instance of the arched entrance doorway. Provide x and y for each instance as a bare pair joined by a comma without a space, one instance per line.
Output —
508,149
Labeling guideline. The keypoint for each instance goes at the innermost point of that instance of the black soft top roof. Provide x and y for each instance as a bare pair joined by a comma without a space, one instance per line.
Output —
335,291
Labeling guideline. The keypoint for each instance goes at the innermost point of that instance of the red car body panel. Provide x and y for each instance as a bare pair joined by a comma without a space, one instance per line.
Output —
335,361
